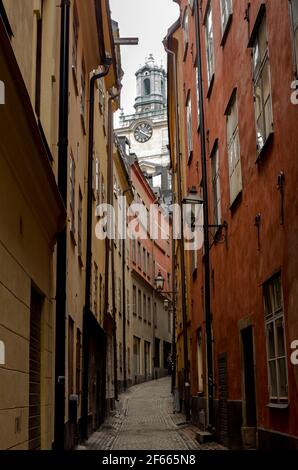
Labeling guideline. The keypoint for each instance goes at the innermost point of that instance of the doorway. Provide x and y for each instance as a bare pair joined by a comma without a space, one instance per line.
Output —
249,419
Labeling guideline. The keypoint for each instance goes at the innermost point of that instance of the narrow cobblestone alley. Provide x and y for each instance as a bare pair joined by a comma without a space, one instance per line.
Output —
145,421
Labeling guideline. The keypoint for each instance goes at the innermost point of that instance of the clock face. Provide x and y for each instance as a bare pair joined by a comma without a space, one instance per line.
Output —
143,132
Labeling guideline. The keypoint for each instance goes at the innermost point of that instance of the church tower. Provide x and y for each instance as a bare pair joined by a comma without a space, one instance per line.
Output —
151,88
147,128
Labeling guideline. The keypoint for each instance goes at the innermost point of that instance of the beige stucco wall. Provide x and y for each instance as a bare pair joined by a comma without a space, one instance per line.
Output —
25,257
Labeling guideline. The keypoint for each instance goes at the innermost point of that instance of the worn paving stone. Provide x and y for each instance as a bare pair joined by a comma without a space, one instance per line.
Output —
145,420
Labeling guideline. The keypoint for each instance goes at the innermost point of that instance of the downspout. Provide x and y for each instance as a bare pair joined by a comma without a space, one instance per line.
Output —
208,315
62,237
89,252
182,249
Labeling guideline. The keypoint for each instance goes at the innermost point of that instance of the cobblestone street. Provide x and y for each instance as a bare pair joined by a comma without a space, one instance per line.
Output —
145,421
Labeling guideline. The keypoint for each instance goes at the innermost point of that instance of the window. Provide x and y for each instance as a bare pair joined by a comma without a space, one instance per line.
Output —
80,212
78,363
139,254
185,30
128,305
200,361
209,38
226,12
133,249
155,315
148,265
120,356
198,95
262,87
83,89
216,187
134,300
149,311
275,340
190,2
95,290
97,181
144,260
144,308
72,194
75,40
294,18
147,86
189,125
119,296
140,304
235,174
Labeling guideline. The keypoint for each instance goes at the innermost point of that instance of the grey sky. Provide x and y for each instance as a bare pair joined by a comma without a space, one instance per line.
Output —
149,20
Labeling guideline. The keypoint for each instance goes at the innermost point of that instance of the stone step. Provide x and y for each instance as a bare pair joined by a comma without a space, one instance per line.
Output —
204,436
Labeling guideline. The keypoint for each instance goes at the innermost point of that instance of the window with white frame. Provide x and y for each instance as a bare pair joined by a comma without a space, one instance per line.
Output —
235,173
185,28
189,125
226,9
72,194
262,86
275,340
294,19
216,187
209,38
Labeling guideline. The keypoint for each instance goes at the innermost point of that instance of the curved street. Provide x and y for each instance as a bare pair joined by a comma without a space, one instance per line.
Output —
145,421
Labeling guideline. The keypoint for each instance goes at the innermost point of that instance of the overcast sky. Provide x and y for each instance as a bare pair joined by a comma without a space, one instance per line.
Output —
148,20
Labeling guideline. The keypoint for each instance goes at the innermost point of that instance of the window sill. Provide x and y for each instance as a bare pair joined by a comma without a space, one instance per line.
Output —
278,406
264,149
210,87
226,31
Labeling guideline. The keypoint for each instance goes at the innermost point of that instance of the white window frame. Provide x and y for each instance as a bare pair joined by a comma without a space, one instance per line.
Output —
226,11
185,26
274,314
260,64
234,154
189,125
294,23
216,190
209,42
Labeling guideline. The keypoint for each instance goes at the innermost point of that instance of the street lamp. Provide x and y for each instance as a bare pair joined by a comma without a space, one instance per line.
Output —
159,281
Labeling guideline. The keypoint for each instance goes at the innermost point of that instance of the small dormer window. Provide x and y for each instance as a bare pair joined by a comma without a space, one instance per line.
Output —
147,86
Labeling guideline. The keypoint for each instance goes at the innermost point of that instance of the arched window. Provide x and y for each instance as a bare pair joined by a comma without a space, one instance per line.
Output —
147,86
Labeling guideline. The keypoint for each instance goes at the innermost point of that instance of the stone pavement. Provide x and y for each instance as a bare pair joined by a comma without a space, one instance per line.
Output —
145,420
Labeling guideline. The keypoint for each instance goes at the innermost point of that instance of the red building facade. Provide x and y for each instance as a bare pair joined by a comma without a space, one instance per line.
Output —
249,63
